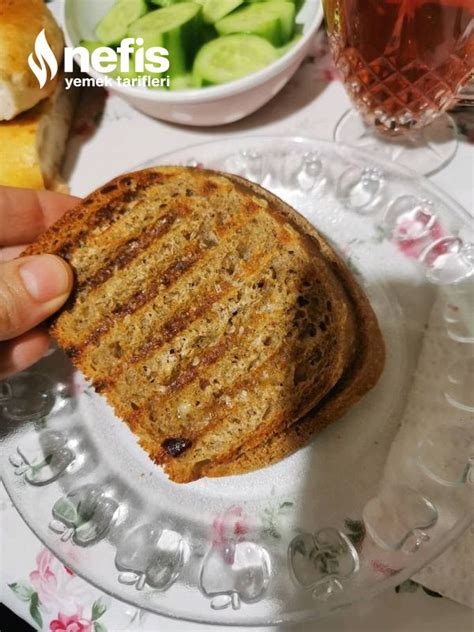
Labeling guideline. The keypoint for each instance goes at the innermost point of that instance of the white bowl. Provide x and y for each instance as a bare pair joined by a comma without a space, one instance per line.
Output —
205,106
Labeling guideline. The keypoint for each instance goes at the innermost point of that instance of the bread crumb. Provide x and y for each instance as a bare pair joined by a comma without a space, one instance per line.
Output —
227,401
184,408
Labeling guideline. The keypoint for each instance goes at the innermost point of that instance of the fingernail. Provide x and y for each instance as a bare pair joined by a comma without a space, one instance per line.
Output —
45,277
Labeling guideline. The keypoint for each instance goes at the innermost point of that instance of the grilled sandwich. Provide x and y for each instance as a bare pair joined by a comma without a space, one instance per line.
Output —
216,321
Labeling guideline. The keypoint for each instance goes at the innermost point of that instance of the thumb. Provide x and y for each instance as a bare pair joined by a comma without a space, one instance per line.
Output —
31,289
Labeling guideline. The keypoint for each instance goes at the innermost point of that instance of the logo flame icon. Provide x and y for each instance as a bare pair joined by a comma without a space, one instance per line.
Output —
46,59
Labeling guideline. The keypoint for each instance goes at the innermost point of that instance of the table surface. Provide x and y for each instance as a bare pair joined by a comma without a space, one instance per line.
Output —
110,138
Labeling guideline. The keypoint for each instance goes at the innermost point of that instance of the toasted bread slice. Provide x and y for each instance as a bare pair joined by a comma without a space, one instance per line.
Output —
205,311
361,376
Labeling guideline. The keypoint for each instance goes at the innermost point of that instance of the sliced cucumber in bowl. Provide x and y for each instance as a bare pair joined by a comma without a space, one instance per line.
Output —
215,10
114,25
177,28
185,82
232,57
206,40
165,3
275,21
298,3
131,73
282,50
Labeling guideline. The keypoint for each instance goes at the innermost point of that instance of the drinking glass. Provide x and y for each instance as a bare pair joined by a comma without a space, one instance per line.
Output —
403,63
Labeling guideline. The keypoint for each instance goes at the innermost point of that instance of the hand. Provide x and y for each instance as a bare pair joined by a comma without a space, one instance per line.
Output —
31,288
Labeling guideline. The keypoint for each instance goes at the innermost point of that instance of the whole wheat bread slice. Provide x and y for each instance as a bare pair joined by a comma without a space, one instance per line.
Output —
361,375
209,313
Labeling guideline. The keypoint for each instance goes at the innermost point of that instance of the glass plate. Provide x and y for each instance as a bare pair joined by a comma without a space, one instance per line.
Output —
301,538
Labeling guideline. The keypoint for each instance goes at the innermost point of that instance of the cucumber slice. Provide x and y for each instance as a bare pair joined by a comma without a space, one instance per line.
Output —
232,57
298,3
185,82
274,21
208,33
114,25
214,10
130,74
296,38
91,45
177,28
125,74
169,3
164,3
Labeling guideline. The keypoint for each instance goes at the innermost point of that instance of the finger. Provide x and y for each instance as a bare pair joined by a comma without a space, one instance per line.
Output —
22,352
31,289
25,214
11,252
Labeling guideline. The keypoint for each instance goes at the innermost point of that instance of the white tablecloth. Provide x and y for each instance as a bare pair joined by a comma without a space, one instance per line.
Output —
107,143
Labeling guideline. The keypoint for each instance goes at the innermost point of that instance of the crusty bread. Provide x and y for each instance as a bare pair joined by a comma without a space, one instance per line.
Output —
21,21
204,309
33,144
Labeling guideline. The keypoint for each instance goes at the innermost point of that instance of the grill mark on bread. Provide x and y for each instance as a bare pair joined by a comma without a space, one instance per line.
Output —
208,187
129,251
139,225
298,432
191,373
206,359
135,273
217,411
110,211
360,376
98,247
175,325
185,317
280,358
242,320
232,389
62,237
101,215
188,374
333,405
247,382
178,469
175,472
245,333
174,272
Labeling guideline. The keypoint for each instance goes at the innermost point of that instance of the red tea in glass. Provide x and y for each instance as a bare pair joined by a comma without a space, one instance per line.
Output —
402,61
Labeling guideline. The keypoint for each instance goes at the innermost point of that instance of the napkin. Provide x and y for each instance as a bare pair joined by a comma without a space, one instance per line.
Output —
444,367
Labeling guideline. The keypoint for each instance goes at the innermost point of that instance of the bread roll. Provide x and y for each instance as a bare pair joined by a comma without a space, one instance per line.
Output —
32,145
21,21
